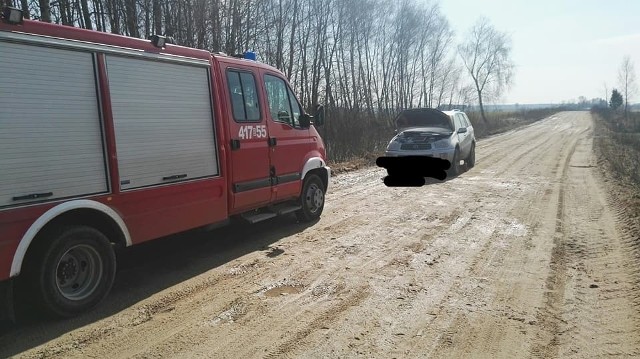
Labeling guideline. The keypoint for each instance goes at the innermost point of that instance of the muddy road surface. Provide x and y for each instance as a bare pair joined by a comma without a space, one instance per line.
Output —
522,256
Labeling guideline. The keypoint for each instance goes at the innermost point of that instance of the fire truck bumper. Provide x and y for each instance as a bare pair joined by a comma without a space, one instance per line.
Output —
328,169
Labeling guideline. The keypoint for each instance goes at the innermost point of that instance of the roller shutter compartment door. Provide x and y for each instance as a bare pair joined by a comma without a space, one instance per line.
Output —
163,121
51,143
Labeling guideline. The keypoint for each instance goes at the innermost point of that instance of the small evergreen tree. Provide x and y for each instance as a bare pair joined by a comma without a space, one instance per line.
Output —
616,99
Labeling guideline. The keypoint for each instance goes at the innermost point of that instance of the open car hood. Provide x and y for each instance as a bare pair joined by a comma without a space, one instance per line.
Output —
423,118
417,131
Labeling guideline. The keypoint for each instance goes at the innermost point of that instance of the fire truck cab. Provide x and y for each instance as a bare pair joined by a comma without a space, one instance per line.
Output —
109,141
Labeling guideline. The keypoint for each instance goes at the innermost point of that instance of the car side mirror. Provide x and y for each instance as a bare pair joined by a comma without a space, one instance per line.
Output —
305,120
462,130
318,117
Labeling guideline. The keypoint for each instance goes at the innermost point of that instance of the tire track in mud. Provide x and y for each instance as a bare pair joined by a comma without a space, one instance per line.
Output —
322,320
611,268
549,317
469,286
513,140
488,145
487,263
454,285
337,229
587,300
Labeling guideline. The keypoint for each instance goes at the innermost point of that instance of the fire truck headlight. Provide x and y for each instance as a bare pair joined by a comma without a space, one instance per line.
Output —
12,15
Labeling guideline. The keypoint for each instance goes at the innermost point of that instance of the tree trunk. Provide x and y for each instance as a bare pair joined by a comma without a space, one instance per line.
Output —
148,18
484,118
132,18
86,15
114,16
100,15
157,17
292,50
64,12
45,10
25,8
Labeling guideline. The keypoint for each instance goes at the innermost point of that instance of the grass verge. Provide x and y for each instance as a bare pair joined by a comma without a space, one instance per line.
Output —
617,148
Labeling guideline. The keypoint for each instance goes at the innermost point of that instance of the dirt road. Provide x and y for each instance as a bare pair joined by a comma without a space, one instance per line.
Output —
523,256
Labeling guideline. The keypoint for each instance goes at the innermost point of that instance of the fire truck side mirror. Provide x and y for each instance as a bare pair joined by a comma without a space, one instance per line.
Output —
318,116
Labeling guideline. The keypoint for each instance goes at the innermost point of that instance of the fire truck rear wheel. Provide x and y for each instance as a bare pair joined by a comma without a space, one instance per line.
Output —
74,272
311,199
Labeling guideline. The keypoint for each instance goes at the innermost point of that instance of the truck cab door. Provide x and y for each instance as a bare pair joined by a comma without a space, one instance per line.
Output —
289,142
247,134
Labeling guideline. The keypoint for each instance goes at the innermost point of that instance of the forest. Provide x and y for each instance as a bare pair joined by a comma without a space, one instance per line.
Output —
363,59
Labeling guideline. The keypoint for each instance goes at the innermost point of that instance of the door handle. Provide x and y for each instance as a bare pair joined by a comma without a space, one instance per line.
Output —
272,141
32,196
235,144
174,177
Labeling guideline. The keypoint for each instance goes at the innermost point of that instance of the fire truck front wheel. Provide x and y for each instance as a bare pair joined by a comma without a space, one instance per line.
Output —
311,199
74,272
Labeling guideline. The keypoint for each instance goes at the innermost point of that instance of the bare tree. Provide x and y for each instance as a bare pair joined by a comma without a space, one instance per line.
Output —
627,78
45,10
364,59
486,54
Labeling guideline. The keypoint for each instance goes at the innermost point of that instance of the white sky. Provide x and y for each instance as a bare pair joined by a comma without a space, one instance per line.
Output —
562,49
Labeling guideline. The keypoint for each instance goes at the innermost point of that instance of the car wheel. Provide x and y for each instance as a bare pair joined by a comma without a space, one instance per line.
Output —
471,160
73,273
454,170
311,199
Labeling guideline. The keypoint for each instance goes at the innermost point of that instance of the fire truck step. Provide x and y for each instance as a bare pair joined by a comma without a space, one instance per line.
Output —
270,212
257,217
285,208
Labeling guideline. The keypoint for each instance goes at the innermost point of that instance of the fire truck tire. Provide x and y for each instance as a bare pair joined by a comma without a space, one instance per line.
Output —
311,199
74,272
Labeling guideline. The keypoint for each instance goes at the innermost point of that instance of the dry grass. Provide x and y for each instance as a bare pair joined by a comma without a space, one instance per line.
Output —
618,143
617,146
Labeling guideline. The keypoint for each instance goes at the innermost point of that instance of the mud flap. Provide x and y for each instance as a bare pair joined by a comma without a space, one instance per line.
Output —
6,301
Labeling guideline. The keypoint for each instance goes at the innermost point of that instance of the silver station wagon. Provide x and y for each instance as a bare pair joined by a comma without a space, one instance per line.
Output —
429,132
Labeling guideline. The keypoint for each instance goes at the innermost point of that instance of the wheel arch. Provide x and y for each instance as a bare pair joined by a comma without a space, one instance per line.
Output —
79,212
316,165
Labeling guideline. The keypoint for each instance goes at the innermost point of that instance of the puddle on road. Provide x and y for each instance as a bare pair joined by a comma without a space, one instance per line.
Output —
283,290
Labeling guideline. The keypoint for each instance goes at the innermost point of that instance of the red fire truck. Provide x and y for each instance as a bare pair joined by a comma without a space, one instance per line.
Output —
109,141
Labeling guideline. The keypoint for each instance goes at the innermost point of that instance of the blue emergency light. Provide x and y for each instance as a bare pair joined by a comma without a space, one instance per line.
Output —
250,55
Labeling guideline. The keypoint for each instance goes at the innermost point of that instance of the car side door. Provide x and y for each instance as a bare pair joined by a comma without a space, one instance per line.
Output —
462,136
471,132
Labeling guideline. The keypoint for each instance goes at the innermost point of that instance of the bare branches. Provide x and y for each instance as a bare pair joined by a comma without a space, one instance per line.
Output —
627,81
486,54
364,59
